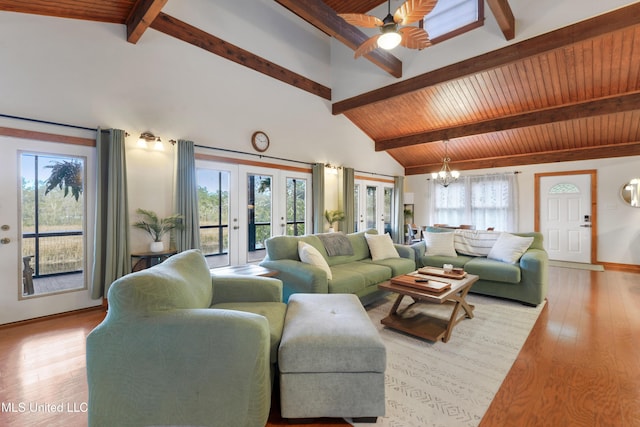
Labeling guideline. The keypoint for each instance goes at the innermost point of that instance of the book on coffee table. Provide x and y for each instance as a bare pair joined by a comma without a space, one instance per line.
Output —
422,284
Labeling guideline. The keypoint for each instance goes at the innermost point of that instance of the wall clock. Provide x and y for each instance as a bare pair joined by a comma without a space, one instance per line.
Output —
260,141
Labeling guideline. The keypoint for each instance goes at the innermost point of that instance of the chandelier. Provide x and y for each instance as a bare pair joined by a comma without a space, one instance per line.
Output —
446,176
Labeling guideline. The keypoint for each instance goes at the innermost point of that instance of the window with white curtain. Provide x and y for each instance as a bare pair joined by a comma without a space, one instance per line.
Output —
483,201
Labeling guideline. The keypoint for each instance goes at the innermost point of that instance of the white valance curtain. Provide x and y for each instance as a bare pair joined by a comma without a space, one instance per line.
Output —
483,201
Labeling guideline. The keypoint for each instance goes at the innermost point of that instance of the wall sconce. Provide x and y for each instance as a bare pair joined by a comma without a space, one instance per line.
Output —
332,169
146,138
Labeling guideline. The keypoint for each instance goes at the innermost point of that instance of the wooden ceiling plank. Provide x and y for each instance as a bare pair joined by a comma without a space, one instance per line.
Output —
181,30
566,155
591,108
143,13
594,27
327,20
504,15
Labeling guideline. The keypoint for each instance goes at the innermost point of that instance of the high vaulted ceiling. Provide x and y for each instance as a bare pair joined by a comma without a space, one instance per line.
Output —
572,94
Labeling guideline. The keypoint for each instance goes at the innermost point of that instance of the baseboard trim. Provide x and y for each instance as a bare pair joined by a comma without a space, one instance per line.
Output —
631,268
52,316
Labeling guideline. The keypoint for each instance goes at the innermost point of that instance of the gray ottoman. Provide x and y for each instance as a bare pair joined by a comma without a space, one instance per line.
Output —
331,359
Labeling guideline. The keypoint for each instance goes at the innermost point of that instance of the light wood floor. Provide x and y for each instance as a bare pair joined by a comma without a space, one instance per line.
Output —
579,367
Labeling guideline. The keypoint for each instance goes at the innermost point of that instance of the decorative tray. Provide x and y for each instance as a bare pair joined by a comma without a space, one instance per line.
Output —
439,272
419,283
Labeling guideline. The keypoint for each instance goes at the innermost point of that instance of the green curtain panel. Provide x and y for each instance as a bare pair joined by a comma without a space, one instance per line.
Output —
398,204
186,197
111,257
348,199
317,176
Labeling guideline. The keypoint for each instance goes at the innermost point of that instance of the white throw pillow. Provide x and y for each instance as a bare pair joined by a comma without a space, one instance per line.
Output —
439,244
381,246
509,248
310,255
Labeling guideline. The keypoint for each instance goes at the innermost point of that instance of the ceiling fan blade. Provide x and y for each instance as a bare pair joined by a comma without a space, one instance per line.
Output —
414,38
361,20
366,47
413,10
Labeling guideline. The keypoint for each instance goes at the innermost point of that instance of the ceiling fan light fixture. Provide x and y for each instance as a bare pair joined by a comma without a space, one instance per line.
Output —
389,39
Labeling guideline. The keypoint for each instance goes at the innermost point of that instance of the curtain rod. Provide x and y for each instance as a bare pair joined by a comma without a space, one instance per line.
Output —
227,150
48,122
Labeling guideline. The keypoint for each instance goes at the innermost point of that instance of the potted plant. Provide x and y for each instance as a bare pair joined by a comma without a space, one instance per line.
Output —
157,227
333,217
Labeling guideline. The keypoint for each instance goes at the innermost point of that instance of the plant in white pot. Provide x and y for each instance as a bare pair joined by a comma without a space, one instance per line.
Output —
333,217
157,227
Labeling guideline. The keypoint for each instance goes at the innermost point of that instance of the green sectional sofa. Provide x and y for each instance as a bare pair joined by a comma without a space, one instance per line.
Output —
179,347
357,274
525,281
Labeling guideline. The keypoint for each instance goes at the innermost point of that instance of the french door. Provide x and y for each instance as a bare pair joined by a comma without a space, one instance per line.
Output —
373,206
45,244
243,205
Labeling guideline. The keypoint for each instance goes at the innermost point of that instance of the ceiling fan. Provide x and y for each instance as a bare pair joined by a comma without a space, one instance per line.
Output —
390,34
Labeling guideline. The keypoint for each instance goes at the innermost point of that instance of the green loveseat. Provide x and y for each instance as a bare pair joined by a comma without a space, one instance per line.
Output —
179,347
526,281
356,274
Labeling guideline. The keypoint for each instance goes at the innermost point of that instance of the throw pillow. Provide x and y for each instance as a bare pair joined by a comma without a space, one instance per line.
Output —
310,255
509,248
439,244
474,242
381,246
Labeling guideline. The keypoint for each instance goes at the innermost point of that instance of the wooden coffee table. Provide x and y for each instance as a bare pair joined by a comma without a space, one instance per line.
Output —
421,324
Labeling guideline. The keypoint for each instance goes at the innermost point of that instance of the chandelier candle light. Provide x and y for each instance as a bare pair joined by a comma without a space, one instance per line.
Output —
446,176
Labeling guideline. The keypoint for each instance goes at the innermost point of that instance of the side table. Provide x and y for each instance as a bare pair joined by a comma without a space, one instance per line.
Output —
149,259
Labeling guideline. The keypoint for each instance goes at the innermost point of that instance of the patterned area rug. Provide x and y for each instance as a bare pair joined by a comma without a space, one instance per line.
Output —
451,384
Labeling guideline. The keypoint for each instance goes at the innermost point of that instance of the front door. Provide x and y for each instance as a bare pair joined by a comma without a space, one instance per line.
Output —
566,215
45,243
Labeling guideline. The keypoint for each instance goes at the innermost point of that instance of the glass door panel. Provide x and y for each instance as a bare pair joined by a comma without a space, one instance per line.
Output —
259,214
296,207
214,209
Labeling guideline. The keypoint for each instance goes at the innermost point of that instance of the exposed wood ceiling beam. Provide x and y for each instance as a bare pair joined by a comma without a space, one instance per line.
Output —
600,25
597,107
141,16
585,153
504,15
326,19
195,36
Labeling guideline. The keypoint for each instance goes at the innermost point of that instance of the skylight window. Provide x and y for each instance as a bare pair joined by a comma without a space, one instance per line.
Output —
449,16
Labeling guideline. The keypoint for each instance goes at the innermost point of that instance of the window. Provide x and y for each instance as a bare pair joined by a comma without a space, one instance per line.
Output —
296,206
213,208
53,206
483,201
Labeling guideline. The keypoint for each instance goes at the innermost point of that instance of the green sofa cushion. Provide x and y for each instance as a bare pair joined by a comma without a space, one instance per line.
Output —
355,276
398,266
440,260
182,281
493,270
345,280
273,311
360,250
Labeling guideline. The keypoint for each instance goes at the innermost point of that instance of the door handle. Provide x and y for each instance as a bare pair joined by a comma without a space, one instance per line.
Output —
585,225
5,240
235,227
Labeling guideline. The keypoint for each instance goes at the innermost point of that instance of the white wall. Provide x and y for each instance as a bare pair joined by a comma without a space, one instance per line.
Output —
618,223
85,73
